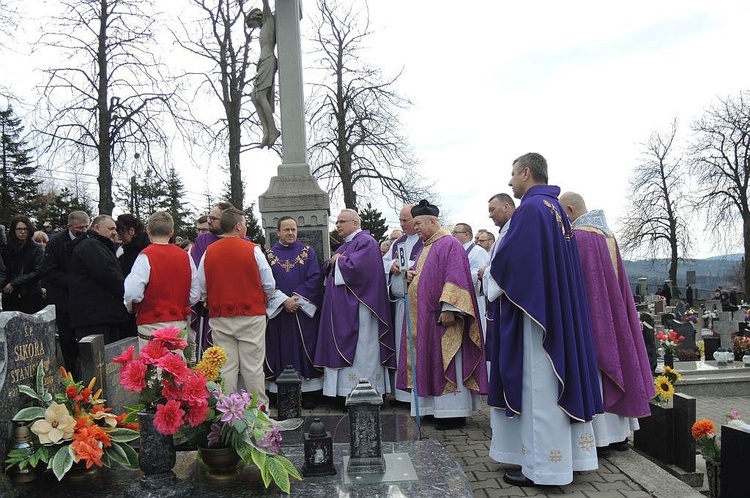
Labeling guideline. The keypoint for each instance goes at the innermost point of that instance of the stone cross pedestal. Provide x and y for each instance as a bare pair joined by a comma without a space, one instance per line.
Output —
725,329
294,192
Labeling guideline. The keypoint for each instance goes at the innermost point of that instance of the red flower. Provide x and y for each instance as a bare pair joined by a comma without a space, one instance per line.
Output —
71,392
86,394
169,417
197,414
175,364
125,358
152,352
672,335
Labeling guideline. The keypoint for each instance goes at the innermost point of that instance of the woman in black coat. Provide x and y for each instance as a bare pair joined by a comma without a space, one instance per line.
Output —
23,257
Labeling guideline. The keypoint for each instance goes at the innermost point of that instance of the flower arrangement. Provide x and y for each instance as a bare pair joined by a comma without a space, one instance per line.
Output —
72,427
740,344
691,316
165,383
701,347
239,421
669,340
664,384
706,437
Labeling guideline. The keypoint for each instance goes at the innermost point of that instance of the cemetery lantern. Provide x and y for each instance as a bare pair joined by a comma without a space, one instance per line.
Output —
23,441
318,451
363,404
289,397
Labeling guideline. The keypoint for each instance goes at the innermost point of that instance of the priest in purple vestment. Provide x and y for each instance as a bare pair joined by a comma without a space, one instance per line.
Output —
355,338
544,382
627,383
449,350
292,330
199,316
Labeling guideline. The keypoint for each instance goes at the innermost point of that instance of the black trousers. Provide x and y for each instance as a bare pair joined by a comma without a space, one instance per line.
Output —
68,344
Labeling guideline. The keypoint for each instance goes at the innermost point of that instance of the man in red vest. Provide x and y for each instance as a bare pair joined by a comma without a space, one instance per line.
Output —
236,281
162,284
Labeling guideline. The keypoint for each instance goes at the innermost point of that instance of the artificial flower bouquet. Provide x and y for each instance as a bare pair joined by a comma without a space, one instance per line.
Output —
669,340
238,420
71,427
691,316
740,344
164,382
664,384
706,437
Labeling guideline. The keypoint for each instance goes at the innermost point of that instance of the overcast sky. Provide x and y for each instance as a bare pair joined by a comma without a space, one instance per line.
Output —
581,82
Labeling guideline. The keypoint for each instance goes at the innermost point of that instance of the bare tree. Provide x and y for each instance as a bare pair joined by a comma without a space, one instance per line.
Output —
655,223
721,166
356,146
105,100
224,38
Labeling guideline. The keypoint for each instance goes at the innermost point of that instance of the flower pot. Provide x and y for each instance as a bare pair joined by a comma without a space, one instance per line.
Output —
157,454
713,478
222,463
669,360
79,473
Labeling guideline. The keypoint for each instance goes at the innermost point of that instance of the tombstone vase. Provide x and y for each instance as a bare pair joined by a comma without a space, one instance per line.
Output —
79,473
713,478
669,360
156,458
222,463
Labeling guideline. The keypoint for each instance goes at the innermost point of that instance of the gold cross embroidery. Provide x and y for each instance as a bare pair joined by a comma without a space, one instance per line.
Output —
586,441
288,265
555,456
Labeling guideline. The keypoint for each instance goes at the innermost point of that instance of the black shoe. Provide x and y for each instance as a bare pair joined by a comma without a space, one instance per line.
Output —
621,446
444,424
516,478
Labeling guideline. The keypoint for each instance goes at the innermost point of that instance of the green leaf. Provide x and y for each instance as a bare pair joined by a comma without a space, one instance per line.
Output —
29,392
278,474
260,460
62,462
40,378
29,414
124,455
123,435
289,466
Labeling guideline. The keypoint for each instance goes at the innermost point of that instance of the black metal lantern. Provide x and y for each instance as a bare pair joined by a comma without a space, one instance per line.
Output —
364,426
289,397
318,451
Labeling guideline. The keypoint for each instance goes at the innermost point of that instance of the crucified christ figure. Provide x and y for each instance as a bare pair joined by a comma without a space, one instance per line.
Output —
263,92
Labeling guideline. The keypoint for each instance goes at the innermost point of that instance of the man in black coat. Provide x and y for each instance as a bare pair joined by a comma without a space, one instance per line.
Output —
134,239
56,271
96,283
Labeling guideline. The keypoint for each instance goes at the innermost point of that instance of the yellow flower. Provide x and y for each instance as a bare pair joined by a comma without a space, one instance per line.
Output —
56,426
215,356
671,371
664,388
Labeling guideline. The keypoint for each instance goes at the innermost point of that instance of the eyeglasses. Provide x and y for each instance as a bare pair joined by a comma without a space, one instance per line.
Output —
454,232
341,222
214,218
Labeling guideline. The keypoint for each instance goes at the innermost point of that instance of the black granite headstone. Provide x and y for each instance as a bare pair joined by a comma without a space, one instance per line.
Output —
649,339
25,340
96,361
679,310
735,453
686,330
656,435
684,443
91,352
711,344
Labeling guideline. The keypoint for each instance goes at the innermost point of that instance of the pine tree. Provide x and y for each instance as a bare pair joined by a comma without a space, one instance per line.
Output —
18,187
56,206
254,230
175,205
374,221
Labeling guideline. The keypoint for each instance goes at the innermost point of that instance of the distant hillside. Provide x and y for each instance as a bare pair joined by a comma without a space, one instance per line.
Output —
709,273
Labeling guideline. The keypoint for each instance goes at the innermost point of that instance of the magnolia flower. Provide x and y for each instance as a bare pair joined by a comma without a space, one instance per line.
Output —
109,418
57,425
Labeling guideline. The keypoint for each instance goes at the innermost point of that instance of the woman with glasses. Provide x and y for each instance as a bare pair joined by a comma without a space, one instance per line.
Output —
21,288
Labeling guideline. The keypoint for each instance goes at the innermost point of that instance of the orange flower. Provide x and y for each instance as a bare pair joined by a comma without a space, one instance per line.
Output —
703,428
88,450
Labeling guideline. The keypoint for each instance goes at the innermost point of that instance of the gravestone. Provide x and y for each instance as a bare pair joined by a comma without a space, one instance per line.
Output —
735,453
684,443
656,434
647,323
25,340
679,310
96,361
725,329
686,330
659,306
667,319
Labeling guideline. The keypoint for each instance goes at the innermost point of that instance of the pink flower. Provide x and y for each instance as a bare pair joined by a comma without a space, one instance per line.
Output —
271,441
125,357
169,337
232,408
194,388
170,391
152,352
672,335
133,376
169,417
734,414
196,415
174,364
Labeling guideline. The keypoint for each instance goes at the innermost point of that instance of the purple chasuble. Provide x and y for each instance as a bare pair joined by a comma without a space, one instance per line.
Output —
361,266
627,382
443,275
538,267
291,337
200,314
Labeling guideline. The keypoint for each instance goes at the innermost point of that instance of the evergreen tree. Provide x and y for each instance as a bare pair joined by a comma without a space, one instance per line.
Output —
18,187
374,221
254,230
56,206
175,205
